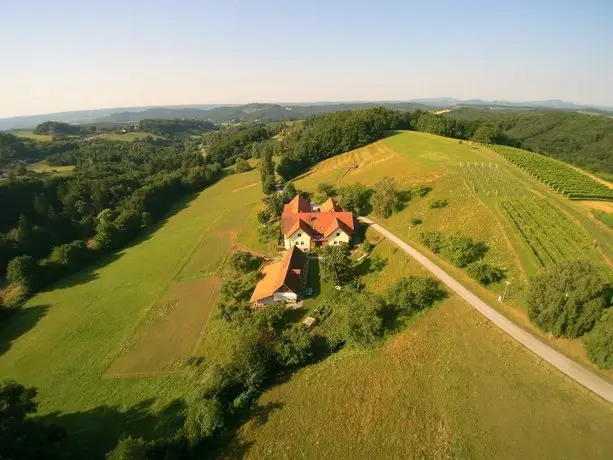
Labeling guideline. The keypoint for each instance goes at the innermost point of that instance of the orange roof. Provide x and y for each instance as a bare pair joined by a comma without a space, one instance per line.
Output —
279,274
329,206
298,204
336,224
318,222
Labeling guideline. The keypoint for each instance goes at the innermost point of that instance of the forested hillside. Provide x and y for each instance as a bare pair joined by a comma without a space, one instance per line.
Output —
583,140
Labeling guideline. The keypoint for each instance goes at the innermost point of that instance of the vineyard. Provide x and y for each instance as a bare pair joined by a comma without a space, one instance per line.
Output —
490,180
549,234
557,175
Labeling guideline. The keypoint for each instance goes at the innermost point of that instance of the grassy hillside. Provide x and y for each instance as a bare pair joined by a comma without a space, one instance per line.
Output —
108,347
138,314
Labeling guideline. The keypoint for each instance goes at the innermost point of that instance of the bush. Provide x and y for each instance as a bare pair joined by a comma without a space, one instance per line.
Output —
241,166
567,299
367,246
432,240
386,198
326,190
437,204
355,318
355,198
413,293
294,346
244,262
130,449
599,341
462,250
204,418
23,270
485,273
420,190
416,221
336,264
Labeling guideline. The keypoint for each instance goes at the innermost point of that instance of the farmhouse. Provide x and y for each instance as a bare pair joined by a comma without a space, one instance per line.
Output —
282,281
309,226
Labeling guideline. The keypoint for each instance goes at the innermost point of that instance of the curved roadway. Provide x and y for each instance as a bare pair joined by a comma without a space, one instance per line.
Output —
569,367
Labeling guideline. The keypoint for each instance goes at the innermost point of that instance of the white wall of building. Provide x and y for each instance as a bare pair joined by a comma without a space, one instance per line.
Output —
298,238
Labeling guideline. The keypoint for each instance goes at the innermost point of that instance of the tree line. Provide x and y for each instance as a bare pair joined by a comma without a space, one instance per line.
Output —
51,226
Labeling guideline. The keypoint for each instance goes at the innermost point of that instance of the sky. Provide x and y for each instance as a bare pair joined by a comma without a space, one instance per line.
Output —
75,55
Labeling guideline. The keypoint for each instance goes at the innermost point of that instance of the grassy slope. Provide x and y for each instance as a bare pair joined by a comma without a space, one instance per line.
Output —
31,135
65,339
44,167
451,385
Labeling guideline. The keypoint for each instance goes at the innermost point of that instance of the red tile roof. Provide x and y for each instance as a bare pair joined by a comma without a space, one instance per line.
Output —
327,220
298,204
285,272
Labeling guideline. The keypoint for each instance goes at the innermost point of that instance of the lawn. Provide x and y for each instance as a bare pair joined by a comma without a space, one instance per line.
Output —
67,340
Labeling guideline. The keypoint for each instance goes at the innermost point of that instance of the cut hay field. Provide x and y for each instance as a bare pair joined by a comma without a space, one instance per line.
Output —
44,167
32,136
125,137
139,313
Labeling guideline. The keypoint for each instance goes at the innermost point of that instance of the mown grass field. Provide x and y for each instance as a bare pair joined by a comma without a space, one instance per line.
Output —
31,135
44,167
126,137
69,340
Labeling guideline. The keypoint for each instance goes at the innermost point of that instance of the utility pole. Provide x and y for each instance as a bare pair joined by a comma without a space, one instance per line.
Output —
501,298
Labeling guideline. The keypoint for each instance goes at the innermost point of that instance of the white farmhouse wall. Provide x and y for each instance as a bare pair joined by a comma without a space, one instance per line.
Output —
285,296
303,241
342,237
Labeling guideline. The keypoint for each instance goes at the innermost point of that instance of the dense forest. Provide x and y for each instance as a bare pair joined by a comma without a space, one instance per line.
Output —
51,226
163,127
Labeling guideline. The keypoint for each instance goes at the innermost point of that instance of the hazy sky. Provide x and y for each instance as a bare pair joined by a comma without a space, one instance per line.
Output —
71,55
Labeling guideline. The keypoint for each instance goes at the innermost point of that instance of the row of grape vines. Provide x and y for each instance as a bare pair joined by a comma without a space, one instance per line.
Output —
490,180
551,235
557,175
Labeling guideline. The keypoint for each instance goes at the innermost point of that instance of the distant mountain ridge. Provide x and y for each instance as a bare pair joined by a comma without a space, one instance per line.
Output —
274,112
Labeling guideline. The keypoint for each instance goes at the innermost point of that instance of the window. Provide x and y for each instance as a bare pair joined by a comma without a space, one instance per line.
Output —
338,234
299,235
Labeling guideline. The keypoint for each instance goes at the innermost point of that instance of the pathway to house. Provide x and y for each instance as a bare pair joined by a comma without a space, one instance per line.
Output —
569,367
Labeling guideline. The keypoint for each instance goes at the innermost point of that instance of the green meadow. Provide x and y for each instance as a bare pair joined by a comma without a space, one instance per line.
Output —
108,347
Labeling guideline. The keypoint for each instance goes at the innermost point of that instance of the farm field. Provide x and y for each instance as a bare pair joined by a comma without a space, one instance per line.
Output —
556,174
31,135
449,386
141,312
126,137
44,167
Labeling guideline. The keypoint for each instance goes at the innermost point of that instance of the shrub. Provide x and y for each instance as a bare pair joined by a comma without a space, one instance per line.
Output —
386,198
437,204
367,246
336,265
326,190
204,418
23,270
355,198
294,346
241,166
244,262
416,221
567,299
462,250
421,190
485,273
432,240
413,293
599,341
355,319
